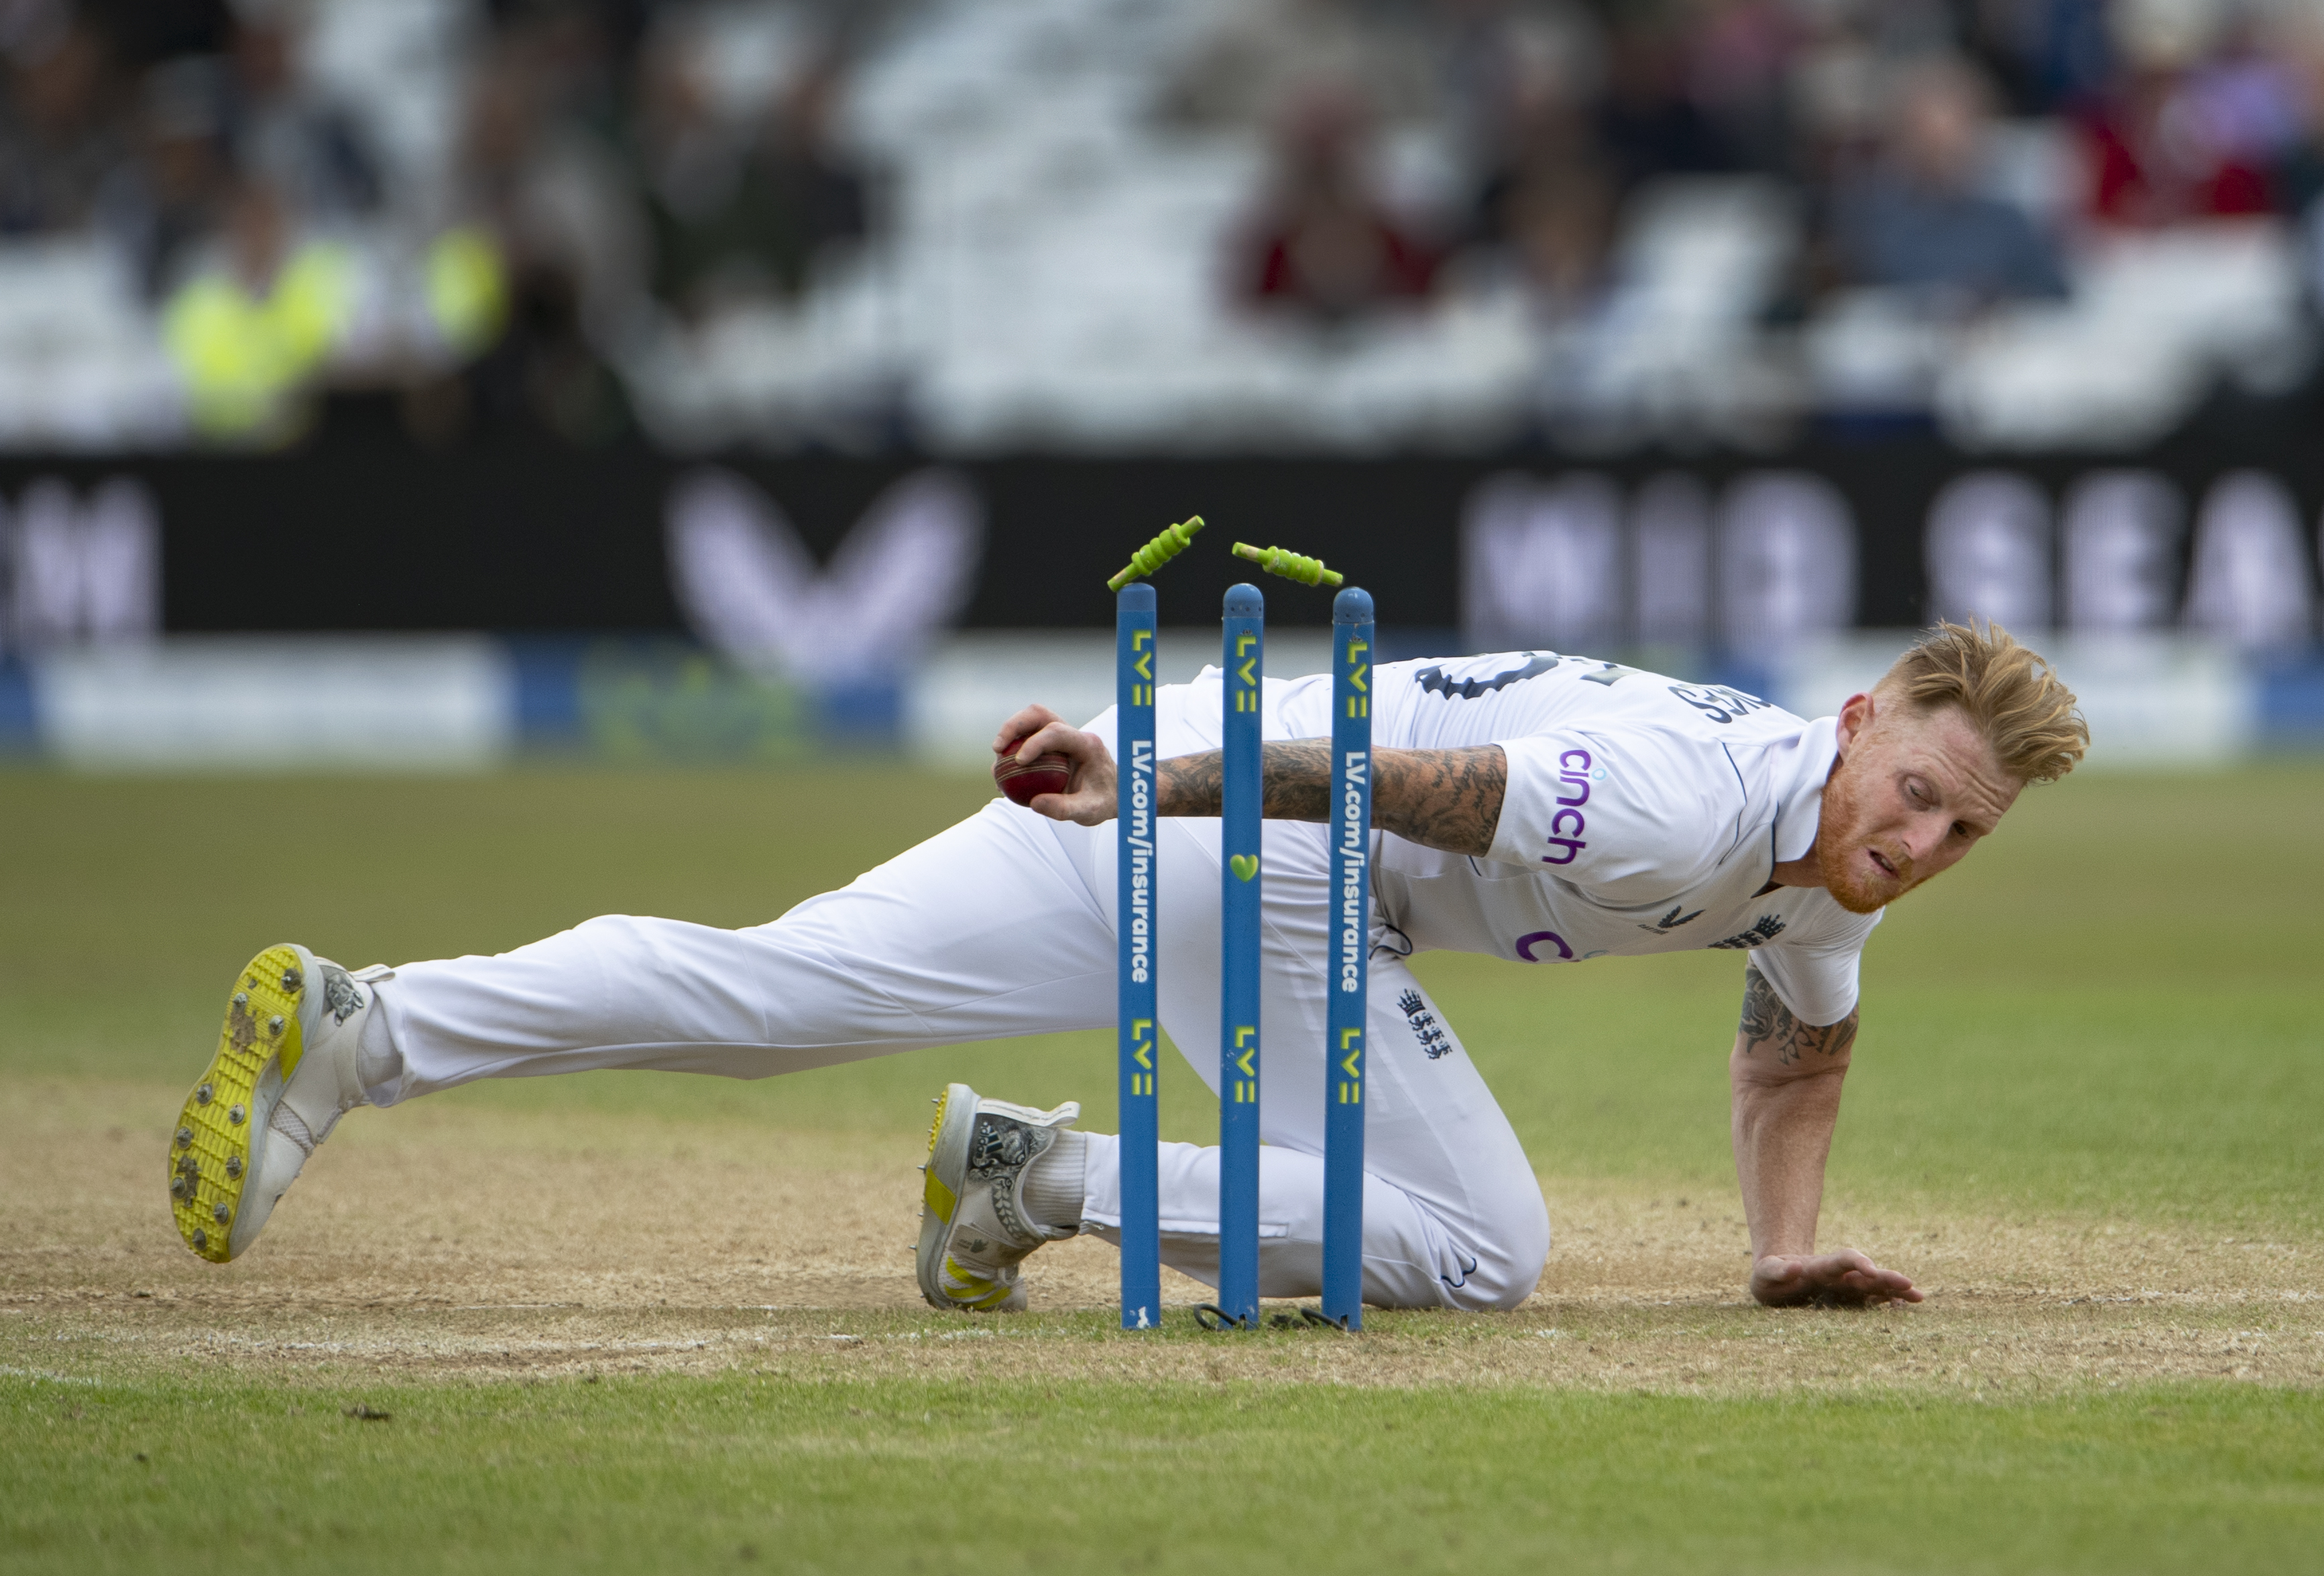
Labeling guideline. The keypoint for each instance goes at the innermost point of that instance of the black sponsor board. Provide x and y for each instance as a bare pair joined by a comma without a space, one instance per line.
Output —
361,529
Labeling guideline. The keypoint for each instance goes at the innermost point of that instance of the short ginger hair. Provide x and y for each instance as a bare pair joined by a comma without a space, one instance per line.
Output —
2009,694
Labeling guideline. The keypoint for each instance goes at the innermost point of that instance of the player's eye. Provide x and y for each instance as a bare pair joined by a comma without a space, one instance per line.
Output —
1960,828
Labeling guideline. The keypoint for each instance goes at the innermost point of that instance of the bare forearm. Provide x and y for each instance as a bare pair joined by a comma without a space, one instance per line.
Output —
1295,781
1786,1076
1441,798
1783,1133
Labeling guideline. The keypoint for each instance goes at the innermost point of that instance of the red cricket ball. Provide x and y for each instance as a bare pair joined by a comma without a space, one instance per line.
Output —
1045,774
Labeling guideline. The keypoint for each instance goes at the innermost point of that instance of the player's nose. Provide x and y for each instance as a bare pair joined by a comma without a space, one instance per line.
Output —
1923,836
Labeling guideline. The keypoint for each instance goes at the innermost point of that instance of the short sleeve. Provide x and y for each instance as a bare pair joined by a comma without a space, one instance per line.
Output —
1627,823
1814,967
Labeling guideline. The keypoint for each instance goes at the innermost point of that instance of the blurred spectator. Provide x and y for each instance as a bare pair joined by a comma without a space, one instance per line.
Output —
549,193
691,165
1648,124
465,291
146,32
576,54
1737,70
1545,210
1272,54
2190,127
2296,174
1502,56
541,377
1834,96
2153,163
175,194
1916,220
60,134
1557,224
2048,56
252,329
285,133
543,264
1322,243
815,199
737,217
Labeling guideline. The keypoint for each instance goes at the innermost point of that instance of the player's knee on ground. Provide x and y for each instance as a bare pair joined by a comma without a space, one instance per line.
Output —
1506,1257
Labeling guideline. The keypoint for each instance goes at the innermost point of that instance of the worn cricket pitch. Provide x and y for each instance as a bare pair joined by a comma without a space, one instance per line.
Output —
447,1241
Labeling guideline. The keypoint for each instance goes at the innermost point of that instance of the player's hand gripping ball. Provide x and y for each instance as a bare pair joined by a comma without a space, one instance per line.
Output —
1026,781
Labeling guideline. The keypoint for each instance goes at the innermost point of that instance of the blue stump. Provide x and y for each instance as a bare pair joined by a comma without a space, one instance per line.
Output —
1350,966
1137,1050
1239,1051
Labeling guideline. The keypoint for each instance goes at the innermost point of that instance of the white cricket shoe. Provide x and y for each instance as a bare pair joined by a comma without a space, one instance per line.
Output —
974,1229
284,1073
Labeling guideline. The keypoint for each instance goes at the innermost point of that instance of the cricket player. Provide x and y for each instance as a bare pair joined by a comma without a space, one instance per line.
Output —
1542,809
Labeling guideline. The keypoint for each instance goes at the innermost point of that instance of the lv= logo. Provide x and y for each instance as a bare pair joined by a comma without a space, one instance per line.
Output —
1244,1090
1244,865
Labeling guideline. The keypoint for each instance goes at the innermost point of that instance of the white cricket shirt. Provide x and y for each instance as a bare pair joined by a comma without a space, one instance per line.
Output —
1643,815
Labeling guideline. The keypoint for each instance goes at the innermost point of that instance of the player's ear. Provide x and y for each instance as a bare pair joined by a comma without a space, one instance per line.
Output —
1855,716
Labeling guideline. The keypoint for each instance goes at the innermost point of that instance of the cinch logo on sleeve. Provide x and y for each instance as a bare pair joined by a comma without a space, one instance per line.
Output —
1566,827
1526,943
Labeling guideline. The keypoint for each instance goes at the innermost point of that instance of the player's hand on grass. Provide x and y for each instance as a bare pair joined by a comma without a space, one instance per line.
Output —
1089,793
1845,1279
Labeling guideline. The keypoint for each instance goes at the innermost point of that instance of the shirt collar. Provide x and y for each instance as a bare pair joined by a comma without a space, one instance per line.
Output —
1797,774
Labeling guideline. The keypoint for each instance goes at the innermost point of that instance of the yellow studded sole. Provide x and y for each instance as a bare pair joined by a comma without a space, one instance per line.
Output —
935,1123
945,1171
209,1150
939,1199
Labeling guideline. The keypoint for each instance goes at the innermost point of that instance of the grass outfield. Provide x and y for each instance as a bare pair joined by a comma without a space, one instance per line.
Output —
722,1474
632,1321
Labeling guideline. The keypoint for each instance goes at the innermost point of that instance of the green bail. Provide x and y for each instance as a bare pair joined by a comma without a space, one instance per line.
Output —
1157,553
1289,564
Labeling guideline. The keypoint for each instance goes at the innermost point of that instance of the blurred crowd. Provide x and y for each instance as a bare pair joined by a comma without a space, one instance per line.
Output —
620,182
590,182
1879,115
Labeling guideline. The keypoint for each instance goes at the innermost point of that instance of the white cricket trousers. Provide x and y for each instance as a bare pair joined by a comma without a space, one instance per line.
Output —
1004,926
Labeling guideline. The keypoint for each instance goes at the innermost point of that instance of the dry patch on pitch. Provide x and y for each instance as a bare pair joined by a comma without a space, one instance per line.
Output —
442,1240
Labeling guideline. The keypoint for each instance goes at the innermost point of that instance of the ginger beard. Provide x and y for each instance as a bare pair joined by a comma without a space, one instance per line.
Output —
1846,836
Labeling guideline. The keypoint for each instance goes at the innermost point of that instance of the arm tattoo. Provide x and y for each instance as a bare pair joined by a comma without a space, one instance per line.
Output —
1191,785
1295,781
1441,798
1449,799
1768,1021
